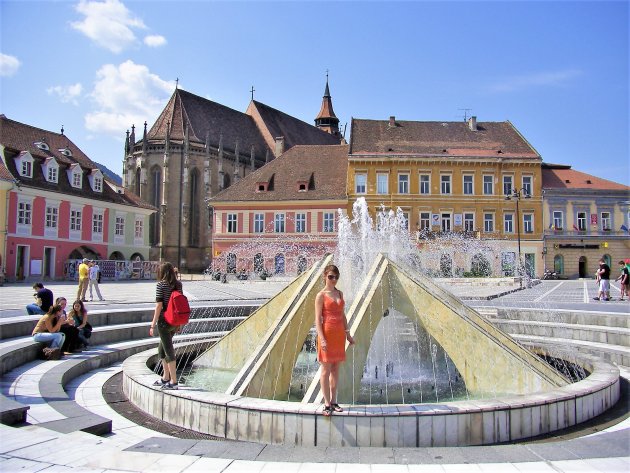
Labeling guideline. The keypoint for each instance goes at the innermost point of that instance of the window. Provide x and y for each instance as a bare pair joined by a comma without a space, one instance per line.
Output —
27,168
119,229
75,220
139,229
488,185
329,222
24,213
76,179
405,220
300,223
52,217
403,183
581,221
446,222
360,183
528,223
508,223
527,185
558,220
507,185
445,184
425,221
52,175
558,264
425,184
469,222
279,223
231,223
98,184
381,183
468,184
97,223
488,222
259,223
606,221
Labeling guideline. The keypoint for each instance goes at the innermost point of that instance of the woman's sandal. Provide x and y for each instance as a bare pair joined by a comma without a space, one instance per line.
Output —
161,382
327,410
336,407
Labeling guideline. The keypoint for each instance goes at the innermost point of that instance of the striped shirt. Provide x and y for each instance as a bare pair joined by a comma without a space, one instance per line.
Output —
163,294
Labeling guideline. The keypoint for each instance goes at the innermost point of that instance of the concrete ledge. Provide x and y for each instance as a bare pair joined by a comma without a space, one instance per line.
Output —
12,412
561,316
474,422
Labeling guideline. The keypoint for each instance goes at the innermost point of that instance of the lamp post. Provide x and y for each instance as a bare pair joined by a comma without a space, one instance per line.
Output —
517,195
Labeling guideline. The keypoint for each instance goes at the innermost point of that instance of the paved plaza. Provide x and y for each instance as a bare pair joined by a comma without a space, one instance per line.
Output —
135,448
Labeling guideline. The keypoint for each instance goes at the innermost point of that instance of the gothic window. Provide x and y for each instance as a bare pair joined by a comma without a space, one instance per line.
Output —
137,190
155,198
193,218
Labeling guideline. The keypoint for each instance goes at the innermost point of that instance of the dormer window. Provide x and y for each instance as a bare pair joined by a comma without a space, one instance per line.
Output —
302,186
42,145
262,186
51,170
65,152
24,164
96,180
75,176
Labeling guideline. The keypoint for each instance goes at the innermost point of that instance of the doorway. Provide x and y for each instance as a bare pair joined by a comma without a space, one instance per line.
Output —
21,263
582,267
48,271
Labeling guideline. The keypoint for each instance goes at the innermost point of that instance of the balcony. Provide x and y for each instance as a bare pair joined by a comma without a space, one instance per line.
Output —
432,235
589,233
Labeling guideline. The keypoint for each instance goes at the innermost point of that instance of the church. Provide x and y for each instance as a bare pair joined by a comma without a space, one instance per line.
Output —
197,148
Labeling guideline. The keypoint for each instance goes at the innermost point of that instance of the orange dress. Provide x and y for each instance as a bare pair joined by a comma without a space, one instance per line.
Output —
334,331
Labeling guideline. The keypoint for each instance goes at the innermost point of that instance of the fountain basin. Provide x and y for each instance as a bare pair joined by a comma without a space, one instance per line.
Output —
458,423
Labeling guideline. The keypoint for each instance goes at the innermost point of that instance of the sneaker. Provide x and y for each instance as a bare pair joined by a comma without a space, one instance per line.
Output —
595,298
170,386
161,382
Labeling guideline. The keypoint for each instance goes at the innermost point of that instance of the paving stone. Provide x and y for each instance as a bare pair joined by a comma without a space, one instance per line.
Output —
376,455
242,450
163,445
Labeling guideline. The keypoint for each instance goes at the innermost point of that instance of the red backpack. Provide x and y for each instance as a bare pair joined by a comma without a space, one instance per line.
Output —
178,310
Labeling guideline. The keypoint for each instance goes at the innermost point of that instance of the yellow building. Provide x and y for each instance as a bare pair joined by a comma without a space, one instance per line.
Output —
454,178
586,218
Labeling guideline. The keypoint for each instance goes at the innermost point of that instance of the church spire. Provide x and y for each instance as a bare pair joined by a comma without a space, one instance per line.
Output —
326,120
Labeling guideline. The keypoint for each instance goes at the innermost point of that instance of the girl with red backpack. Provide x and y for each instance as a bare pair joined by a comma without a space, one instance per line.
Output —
167,283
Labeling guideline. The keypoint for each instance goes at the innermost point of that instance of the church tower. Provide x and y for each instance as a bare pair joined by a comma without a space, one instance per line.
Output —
326,120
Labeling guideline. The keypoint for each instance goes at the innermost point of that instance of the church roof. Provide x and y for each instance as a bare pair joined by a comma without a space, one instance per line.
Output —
274,123
323,168
415,138
17,138
327,108
207,118
563,177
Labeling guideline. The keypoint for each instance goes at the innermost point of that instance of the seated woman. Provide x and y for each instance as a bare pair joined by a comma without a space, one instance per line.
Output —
78,316
71,342
47,328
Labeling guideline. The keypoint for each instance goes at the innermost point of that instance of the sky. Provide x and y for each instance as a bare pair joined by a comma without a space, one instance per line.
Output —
559,71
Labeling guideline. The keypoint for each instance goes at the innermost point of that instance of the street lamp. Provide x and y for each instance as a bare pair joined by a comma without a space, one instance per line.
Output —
517,195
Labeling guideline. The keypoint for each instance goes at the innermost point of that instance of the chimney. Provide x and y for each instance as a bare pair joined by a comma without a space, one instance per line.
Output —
279,146
472,123
392,121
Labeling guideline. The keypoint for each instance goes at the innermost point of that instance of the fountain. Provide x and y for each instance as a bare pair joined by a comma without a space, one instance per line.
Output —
419,374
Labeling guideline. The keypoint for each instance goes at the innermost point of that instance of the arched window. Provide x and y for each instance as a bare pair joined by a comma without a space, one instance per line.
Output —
608,260
193,206
259,263
137,190
558,264
155,186
480,266
230,263
226,181
301,264
279,263
446,266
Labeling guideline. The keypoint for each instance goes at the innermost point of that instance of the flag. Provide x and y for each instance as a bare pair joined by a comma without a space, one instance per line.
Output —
624,228
550,226
575,228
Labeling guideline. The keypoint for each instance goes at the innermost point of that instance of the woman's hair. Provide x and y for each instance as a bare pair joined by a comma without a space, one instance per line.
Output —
622,262
81,310
331,268
167,274
59,300
54,309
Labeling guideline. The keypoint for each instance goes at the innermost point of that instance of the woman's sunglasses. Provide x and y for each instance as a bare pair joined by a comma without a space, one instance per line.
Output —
332,276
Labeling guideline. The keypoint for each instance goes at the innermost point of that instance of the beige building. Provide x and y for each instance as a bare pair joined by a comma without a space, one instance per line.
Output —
586,218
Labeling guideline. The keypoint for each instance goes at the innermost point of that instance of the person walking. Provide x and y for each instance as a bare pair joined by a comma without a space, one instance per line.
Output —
167,283
93,276
603,273
84,277
624,280
332,333
43,300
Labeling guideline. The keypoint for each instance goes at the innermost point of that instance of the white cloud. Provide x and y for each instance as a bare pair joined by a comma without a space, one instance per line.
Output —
540,79
124,95
67,93
8,65
154,40
109,24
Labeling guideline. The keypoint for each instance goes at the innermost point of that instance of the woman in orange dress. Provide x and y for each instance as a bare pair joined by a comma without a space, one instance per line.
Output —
332,333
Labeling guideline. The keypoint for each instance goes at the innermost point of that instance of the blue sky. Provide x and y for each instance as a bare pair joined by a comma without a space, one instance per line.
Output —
559,71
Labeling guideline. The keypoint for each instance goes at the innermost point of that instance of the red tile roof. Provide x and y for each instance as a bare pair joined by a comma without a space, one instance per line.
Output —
5,175
556,176
491,139
323,167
